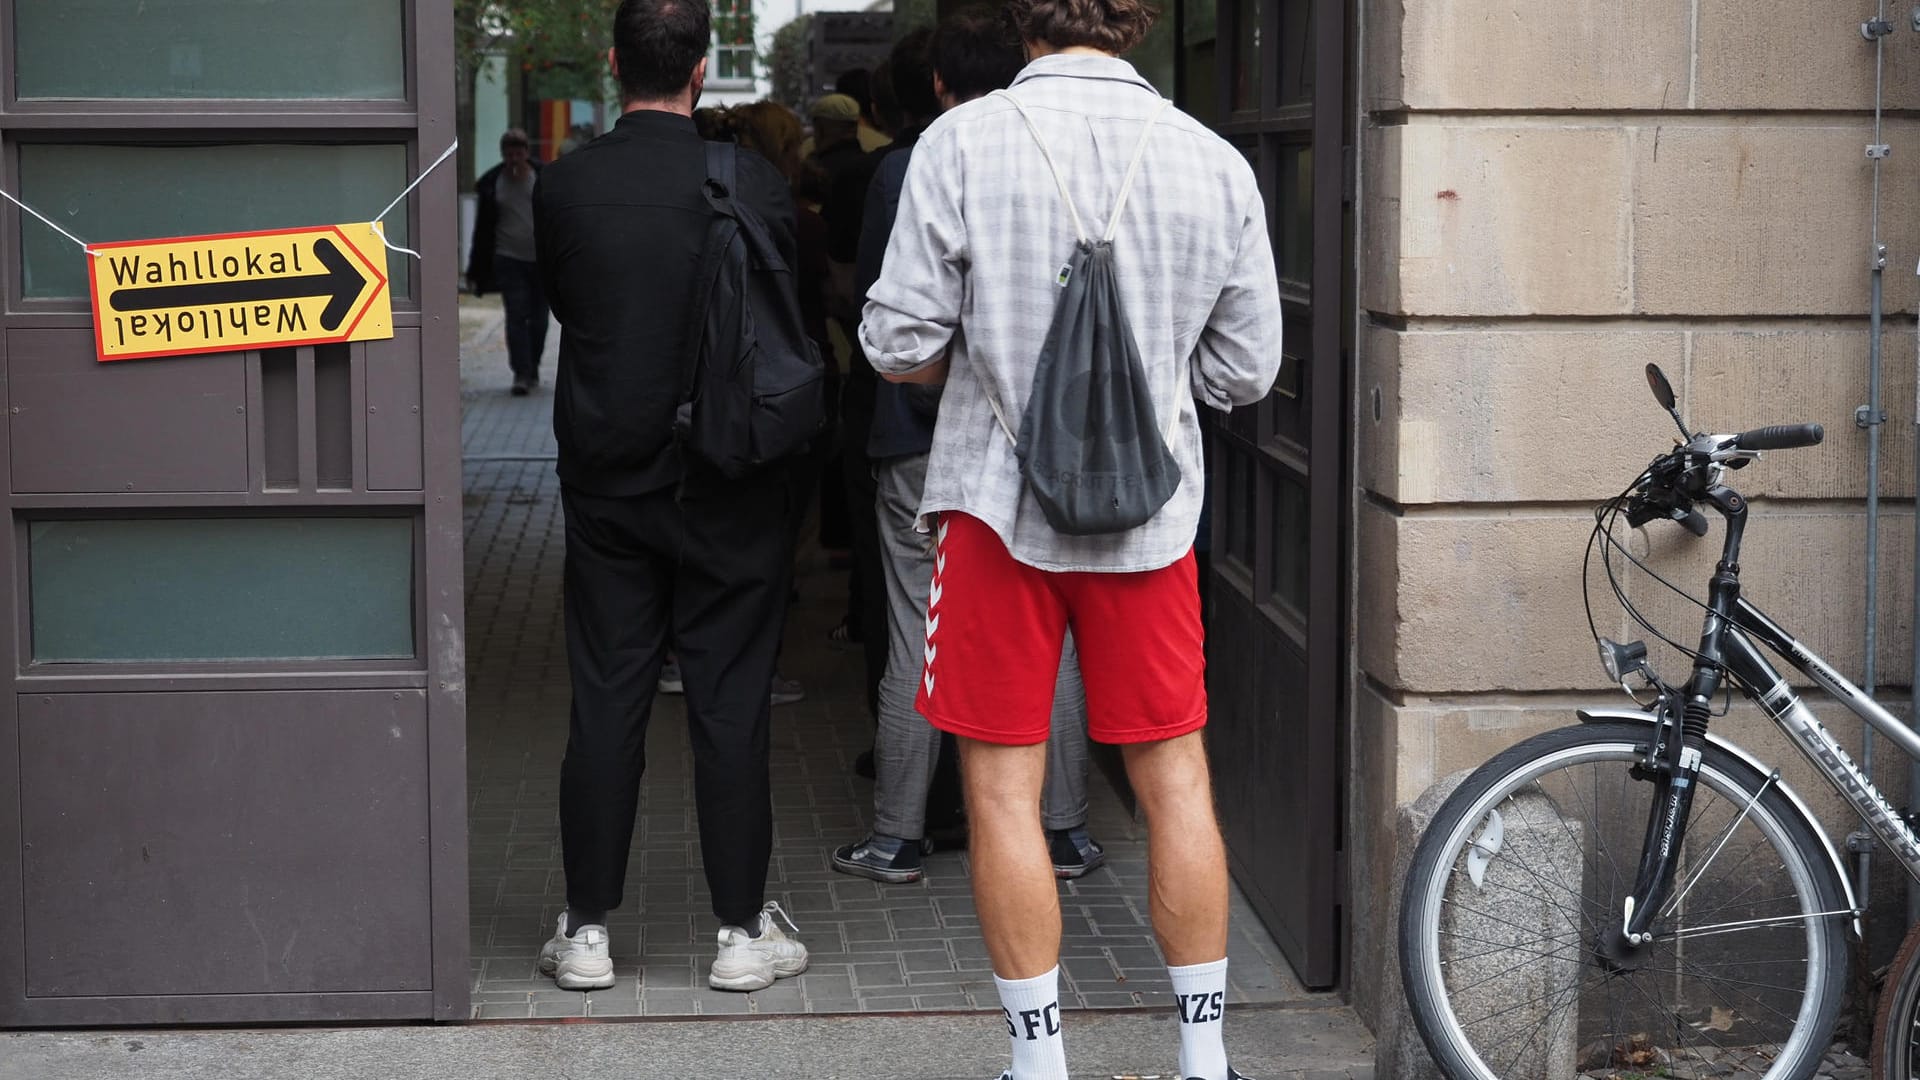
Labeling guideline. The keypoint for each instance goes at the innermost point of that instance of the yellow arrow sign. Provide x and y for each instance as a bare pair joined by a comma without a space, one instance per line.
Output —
257,290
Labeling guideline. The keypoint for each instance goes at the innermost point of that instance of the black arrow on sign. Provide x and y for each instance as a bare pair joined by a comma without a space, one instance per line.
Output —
341,284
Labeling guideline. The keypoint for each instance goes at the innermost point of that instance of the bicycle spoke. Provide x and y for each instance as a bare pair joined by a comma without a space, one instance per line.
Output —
1490,916
1748,924
1490,882
1719,842
1526,966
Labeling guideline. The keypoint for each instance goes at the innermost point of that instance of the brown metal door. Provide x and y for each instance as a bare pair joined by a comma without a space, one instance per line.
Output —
1276,654
232,743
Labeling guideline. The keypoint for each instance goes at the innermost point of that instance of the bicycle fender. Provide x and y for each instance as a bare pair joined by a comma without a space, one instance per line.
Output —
1640,716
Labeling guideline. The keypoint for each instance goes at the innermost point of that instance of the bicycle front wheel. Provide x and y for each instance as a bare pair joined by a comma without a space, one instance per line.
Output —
1511,949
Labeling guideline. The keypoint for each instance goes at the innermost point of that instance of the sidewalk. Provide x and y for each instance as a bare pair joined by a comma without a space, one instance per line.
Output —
1268,1042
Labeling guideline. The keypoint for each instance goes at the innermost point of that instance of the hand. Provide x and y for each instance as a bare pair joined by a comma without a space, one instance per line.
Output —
934,374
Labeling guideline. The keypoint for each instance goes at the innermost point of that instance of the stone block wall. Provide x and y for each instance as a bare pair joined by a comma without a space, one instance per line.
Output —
1552,197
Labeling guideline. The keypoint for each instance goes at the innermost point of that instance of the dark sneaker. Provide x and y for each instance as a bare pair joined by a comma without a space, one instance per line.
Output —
1075,853
522,386
886,859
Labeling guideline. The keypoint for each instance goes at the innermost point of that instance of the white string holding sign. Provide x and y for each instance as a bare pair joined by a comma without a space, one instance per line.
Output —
7,195
378,229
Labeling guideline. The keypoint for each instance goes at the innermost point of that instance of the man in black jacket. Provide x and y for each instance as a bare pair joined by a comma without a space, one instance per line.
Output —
660,550
503,255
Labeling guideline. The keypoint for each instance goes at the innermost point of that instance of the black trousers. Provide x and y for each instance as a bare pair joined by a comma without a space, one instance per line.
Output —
708,574
526,307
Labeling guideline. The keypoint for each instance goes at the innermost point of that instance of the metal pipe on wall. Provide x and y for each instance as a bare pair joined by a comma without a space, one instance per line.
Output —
1870,416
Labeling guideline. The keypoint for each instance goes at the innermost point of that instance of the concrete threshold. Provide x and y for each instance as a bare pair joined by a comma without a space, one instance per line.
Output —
1271,1042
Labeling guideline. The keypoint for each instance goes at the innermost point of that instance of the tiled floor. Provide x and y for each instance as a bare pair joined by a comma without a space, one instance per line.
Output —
874,947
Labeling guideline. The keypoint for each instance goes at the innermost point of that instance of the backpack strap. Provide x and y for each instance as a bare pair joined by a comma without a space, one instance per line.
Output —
1080,233
1133,168
718,189
1126,186
1079,230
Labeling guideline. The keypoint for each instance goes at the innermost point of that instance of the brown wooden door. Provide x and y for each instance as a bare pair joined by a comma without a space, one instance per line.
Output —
1276,652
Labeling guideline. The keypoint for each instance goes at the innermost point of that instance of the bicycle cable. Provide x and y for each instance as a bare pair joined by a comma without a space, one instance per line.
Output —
1604,516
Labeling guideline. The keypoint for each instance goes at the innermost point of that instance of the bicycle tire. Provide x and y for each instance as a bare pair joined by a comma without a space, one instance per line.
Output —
1896,1023
1756,1025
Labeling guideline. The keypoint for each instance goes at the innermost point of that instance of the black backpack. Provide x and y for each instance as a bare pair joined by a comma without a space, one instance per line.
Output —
754,390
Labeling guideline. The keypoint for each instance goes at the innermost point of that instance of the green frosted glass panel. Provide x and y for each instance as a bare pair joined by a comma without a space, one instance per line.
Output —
107,193
274,50
221,589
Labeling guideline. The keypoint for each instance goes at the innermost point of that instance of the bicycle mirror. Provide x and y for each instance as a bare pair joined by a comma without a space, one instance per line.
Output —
1662,389
1663,393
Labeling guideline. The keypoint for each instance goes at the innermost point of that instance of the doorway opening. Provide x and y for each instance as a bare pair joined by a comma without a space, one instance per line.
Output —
874,948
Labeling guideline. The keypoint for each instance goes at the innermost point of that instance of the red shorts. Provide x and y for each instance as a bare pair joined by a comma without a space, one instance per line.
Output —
995,628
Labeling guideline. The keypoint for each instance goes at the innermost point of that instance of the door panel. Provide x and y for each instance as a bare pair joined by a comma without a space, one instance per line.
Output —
1276,642
246,843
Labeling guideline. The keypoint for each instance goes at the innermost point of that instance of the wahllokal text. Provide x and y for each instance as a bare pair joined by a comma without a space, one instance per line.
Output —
205,266
217,321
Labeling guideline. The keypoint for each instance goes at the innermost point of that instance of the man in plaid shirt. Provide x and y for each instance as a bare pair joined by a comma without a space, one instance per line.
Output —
966,297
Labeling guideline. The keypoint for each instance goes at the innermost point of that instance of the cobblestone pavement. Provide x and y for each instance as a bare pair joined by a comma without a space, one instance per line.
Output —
874,947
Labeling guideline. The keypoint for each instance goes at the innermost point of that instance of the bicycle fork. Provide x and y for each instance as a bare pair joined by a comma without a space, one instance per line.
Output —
1675,768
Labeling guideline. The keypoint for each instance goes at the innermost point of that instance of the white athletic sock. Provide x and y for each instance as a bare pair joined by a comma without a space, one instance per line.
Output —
1200,990
1032,1008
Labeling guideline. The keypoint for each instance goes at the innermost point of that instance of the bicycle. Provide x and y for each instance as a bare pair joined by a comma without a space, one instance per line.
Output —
1635,895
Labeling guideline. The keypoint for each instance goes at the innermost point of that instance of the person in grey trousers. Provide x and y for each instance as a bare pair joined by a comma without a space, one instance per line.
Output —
968,56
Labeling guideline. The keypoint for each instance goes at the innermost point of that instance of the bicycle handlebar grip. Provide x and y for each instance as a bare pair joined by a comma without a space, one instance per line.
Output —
1781,437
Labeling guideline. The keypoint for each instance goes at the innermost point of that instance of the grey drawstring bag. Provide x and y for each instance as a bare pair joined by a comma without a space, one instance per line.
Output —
1090,448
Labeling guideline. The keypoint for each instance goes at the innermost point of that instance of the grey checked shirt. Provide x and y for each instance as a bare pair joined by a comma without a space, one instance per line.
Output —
970,271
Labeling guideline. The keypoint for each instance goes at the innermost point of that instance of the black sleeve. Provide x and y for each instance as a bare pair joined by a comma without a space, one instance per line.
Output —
767,192
545,243
485,220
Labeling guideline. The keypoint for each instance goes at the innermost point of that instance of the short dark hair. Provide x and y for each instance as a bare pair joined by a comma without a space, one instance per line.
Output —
857,83
657,44
975,52
910,73
1114,26
514,138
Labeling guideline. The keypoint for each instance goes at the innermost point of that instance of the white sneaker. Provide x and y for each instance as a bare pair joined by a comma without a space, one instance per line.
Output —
670,681
581,962
752,963
787,691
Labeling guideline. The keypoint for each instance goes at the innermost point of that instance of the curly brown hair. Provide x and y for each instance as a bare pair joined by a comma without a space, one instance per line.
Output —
1114,26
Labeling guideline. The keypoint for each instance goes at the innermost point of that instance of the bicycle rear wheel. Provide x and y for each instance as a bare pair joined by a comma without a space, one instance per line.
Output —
1896,1030
1510,950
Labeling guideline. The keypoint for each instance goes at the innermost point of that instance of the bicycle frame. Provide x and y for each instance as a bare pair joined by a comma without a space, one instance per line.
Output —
1764,685
1727,647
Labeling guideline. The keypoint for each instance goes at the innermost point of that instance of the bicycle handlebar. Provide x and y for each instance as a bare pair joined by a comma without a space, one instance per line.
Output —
1780,437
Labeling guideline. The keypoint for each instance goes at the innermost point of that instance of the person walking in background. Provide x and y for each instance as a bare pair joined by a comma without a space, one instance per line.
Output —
661,549
967,296
969,56
502,259
859,84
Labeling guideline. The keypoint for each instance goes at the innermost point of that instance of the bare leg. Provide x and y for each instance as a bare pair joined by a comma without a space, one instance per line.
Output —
1013,884
1186,860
